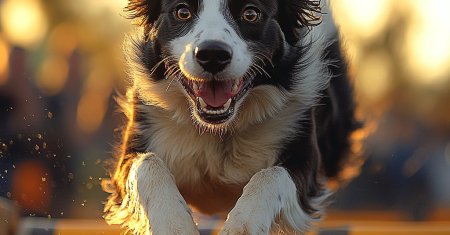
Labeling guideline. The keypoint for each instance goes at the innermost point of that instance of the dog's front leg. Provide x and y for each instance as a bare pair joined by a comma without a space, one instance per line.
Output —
269,201
166,209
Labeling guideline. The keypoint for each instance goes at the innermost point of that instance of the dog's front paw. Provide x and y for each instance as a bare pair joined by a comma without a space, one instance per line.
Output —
244,225
155,188
175,220
243,229
174,227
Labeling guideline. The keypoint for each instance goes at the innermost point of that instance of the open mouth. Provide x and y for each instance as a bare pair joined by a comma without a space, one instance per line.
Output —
215,100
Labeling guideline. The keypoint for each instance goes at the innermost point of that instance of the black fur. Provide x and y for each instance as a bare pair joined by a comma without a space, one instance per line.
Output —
322,145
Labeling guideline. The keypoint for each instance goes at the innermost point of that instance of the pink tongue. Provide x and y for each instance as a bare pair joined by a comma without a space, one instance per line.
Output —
216,93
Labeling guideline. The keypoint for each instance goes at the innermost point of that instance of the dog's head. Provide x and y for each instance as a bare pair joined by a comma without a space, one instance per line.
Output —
218,50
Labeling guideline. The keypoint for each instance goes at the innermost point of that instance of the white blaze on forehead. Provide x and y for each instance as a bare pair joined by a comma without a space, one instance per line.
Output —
213,12
212,25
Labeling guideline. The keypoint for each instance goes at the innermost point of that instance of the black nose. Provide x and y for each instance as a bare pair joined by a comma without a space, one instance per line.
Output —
213,56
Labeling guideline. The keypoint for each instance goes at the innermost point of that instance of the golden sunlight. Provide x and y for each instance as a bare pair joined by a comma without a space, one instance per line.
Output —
118,3
93,104
91,110
52,75
374,75
4,61
62,39
428,42
97,6
114,5
23,22
364,19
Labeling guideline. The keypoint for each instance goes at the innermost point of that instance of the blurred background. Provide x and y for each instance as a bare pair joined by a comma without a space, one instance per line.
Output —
61,65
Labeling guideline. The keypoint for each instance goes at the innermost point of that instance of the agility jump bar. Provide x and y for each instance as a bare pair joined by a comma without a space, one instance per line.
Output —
383,227
45,226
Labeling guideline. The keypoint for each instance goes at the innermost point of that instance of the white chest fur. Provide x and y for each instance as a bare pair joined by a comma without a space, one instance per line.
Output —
230,159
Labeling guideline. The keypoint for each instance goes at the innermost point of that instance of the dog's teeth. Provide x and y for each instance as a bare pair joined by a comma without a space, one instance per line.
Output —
202,102
236,81
234,88
195,87
227,104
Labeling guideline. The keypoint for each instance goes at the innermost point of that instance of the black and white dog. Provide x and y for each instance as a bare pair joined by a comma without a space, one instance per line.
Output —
234,106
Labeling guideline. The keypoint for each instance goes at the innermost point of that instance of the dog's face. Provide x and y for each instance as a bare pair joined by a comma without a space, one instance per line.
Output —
220,49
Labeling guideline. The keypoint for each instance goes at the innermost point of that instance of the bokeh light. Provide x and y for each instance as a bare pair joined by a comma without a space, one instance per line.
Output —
4,61
52,75
94,102
91,110
427,50
419,41
99,81
32,186
364,19
374,75
63,39
99,6
23,22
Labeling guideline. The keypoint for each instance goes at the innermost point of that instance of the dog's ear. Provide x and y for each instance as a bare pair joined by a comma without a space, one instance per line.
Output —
296,14
144,12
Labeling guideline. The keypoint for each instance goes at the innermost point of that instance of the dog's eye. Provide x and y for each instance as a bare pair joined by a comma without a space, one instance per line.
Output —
183,14
250,15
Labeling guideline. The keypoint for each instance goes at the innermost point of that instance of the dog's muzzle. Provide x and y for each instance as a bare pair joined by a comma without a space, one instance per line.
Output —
214,98
213,56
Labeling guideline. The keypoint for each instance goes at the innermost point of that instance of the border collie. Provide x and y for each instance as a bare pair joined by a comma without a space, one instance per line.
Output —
234,106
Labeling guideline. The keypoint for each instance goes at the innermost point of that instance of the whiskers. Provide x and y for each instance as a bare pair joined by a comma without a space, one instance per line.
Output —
172,70
156,66
260,56
257,65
